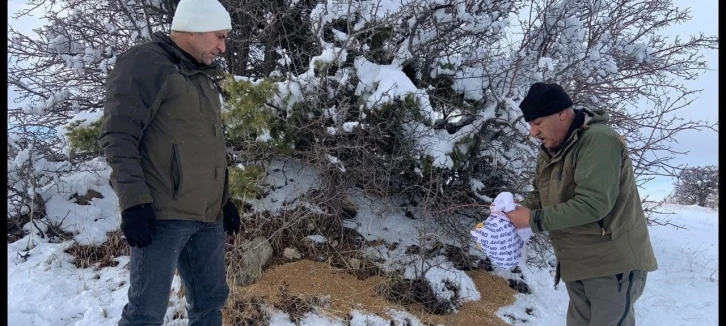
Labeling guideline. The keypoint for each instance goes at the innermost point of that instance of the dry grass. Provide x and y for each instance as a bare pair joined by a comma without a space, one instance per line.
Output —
100,255
289,229
345,279
410,292
294,305
55,232
243,310
334,278
15,227
308,281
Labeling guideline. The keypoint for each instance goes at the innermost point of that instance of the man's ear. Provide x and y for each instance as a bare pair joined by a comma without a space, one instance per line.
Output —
562,114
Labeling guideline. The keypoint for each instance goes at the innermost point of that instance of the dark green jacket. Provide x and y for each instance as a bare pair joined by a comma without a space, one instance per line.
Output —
585,195
162,133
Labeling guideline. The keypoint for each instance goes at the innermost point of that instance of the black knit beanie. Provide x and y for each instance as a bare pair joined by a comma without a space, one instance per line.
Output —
543,100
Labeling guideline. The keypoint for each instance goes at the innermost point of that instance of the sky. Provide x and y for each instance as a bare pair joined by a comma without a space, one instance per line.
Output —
702,146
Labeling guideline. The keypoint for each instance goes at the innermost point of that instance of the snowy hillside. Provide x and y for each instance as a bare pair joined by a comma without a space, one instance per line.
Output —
46,288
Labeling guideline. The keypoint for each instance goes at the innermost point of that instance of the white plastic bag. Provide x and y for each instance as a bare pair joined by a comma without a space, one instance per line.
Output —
498,238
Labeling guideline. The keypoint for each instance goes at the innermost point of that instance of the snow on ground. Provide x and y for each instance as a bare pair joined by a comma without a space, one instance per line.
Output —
287,181
45,288
89,223
376,221
358,318
683,291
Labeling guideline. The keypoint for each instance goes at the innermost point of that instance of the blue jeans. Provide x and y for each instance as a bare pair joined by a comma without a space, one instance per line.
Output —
197,250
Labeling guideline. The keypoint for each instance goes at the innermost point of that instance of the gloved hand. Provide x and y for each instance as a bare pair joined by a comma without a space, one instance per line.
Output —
138,224
231,218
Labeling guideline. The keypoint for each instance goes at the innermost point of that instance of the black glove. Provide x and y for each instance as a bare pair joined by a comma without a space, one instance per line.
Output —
138,224
231,218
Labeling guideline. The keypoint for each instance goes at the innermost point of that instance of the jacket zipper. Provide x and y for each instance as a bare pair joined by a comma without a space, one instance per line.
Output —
602,226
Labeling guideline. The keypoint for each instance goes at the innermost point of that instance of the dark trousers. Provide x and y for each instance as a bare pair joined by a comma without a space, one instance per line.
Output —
197,250
605,301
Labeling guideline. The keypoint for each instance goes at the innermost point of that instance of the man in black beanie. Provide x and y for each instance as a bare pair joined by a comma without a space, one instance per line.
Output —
548,110
586,197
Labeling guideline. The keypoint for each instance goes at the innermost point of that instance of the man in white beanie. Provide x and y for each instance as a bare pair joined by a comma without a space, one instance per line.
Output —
162,137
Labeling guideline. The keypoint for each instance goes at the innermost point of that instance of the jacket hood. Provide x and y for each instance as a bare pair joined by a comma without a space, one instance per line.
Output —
595,116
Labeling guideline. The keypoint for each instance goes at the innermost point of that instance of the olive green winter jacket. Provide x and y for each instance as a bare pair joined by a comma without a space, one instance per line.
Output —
585,195
162,133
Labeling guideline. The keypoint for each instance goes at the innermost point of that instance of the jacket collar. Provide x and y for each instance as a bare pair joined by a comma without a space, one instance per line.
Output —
184,60
583,118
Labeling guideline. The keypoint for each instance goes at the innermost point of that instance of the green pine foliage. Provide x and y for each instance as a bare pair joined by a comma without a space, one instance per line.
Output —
248,117
244,183
82,139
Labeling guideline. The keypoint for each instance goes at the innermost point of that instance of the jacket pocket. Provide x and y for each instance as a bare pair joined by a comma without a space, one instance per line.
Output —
176,172
593,228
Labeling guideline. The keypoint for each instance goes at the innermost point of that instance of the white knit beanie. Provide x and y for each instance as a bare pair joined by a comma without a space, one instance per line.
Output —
200,16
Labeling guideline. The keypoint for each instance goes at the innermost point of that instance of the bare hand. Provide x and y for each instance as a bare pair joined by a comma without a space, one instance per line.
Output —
519,217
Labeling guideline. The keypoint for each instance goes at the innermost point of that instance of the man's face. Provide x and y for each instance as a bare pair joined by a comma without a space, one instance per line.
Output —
207,46
550,130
